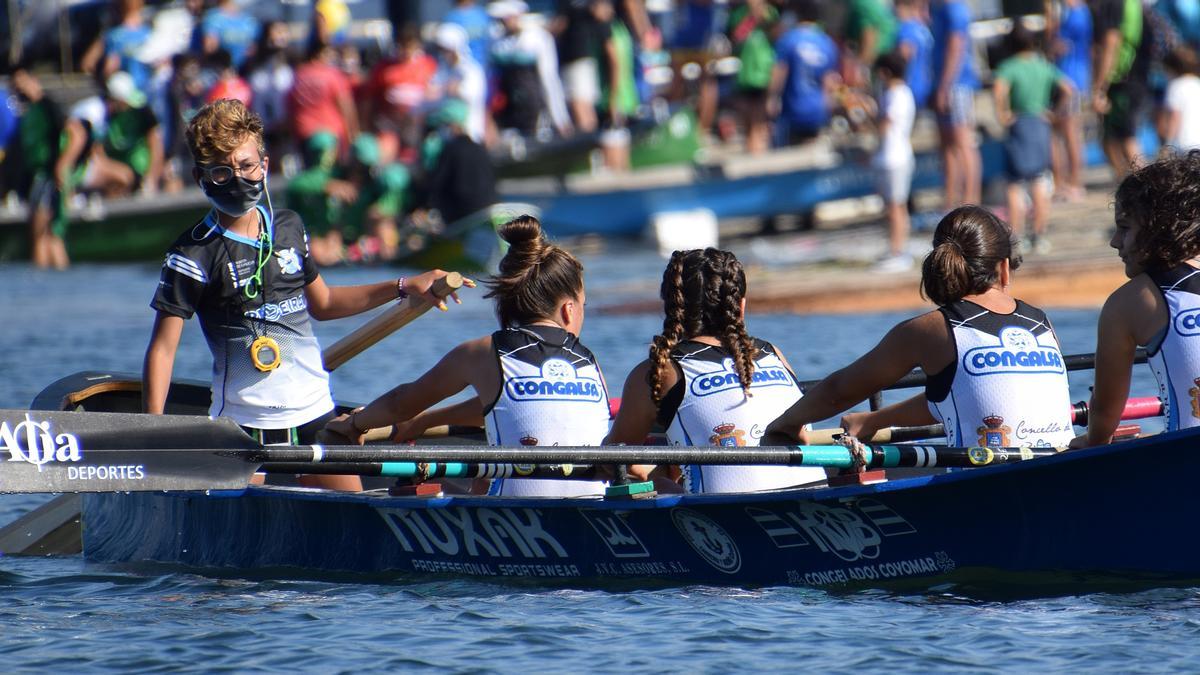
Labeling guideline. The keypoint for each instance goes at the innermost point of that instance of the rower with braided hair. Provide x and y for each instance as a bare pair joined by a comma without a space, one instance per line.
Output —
706,380
996,375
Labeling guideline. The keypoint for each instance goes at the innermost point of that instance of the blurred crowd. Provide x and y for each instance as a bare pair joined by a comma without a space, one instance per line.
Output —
382,145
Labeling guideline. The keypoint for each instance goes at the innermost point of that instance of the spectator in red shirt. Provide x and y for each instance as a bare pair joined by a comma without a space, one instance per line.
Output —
399,87
322,99
229,84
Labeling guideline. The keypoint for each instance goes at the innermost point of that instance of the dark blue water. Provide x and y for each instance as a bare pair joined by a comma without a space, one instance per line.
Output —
63,613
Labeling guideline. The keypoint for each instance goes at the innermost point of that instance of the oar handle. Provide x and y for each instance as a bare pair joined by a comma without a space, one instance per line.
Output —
387,323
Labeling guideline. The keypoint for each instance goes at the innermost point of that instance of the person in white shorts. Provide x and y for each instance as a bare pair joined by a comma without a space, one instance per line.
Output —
894,160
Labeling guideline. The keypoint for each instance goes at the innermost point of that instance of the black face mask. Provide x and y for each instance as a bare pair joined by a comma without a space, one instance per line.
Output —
235,198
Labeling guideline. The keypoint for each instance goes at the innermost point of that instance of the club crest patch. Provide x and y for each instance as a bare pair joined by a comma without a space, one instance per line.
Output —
994,432
289,260
727,435
1194,392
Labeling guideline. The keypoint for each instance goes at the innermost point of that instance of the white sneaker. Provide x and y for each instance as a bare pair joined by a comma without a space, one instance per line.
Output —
1041,245
894,263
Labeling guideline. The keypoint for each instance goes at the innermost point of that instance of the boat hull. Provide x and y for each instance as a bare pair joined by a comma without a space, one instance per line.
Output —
1109,512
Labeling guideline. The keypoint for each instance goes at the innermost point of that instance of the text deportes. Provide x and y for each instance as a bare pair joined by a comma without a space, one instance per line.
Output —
724,381
993,360
109,472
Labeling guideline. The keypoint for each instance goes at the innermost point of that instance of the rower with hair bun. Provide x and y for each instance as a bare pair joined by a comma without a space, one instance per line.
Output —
996,375
707,381
1157,235
534,381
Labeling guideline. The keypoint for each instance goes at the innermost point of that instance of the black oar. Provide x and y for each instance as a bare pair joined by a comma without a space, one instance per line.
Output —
427,470
103,452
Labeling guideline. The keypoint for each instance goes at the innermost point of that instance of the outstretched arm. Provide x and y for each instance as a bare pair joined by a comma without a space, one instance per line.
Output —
335,302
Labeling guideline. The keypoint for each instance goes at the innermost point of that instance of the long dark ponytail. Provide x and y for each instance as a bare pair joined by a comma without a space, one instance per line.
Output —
534,276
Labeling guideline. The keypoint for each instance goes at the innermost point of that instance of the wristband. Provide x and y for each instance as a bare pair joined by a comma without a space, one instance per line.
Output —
401,294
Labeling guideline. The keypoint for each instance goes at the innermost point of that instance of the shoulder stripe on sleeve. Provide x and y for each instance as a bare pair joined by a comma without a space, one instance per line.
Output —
185,266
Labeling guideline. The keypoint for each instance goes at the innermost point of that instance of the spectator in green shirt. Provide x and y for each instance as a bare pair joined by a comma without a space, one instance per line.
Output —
1023,86
750,25
870,31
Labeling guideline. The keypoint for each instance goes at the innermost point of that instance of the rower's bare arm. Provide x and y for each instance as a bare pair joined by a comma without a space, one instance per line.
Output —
335,302
458,369
468,413
916,342
635,419
160,361
908,413
1122,327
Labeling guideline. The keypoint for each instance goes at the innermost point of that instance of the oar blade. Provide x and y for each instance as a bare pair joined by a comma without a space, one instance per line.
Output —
47,451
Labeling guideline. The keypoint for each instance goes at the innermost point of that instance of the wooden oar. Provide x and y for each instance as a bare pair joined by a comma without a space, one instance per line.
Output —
1135,409
103,452
387,323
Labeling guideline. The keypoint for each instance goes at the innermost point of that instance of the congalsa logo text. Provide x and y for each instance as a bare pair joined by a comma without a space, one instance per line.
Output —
1018,352
715,383
558,381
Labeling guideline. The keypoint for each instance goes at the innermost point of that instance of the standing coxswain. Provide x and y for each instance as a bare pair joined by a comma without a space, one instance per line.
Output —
245,270
996,375
707,382
1157,214
535,383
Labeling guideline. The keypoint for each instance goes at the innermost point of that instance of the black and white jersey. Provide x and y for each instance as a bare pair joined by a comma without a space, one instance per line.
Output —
707,406
206,272
1175,354
551,393
1008,385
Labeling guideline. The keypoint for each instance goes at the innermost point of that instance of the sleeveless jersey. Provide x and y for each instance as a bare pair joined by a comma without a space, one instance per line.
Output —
708,407
1175,354
551,393
1007,386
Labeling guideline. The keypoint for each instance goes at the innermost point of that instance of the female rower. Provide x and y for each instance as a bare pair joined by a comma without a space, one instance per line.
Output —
707,381
1157,214
995,372
535,383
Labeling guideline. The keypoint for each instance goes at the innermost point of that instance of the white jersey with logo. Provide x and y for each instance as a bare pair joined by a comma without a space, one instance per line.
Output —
1008,385
551,393
707,406
1175,355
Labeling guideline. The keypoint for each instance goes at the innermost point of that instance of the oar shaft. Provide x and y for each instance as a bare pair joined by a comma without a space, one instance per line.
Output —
878,456
426,471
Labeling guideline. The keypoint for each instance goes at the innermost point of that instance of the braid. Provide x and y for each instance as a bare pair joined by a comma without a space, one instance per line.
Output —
673,319
730,280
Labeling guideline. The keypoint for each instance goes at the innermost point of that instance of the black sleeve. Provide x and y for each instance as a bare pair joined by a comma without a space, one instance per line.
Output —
181,284
290,231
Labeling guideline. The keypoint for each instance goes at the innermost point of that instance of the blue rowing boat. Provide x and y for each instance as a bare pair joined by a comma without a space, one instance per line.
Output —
1108,512
1118,512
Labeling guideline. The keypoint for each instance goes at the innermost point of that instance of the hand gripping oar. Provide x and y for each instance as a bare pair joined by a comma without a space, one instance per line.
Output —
114,452
387,323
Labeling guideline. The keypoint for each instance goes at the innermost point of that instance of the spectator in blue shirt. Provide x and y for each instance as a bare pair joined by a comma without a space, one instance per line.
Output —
475,20
124,42
955,83
915,44
806,62
227,27
1070,25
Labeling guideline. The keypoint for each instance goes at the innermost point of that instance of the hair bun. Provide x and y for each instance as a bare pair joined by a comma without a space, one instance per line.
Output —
522,231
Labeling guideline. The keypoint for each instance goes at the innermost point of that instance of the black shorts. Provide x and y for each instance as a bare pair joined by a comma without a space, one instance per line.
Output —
1127,111
305,434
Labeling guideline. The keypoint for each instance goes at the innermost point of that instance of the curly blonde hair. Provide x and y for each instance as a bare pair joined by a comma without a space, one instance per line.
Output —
219,128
